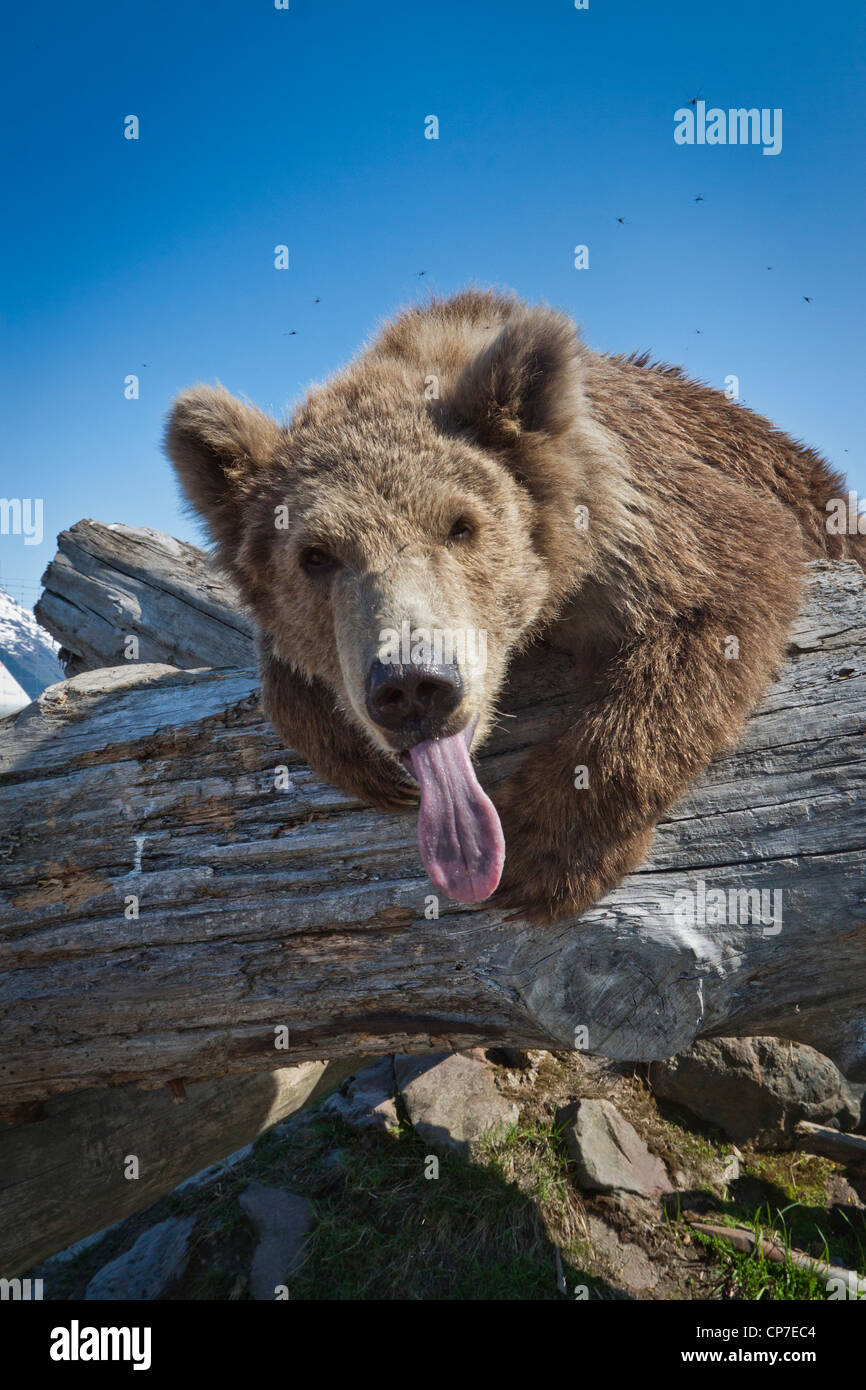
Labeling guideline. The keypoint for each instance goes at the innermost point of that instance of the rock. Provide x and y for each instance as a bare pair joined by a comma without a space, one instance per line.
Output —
451,1099
609,1153
282,1221
756,1089
157,1258
628,1264
839,1192
366,1100
78,1248
294,1124
215,1170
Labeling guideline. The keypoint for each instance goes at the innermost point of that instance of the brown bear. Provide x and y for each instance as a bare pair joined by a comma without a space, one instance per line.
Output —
477,477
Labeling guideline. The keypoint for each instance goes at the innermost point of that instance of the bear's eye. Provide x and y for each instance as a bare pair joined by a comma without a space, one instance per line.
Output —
462,530
315,560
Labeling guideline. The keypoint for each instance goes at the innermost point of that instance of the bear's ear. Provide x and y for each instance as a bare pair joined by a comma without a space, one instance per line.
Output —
219,447
525,381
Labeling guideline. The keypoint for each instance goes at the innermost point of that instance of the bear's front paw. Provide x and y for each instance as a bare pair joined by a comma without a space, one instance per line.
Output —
529,893
546,879
552,868
542,879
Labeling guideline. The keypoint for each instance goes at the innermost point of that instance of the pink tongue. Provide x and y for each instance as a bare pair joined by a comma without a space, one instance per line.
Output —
459,834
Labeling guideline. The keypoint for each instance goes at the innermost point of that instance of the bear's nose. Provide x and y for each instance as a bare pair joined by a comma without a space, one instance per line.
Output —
413,699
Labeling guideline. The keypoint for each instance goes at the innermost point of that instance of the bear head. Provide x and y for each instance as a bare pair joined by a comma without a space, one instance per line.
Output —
411,525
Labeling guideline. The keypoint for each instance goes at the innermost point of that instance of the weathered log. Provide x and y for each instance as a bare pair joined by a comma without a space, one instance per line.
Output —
64,1171
843,1282
110,583
268,900
830,1143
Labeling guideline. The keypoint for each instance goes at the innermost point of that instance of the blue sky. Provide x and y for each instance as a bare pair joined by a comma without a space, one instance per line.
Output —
306,127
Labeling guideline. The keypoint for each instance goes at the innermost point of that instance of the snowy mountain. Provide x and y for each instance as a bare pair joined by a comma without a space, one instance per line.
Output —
28,656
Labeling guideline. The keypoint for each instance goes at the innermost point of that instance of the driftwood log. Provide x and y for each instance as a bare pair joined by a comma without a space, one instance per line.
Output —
847,1149
109,583
266,900
182,900
844,1283
64,1172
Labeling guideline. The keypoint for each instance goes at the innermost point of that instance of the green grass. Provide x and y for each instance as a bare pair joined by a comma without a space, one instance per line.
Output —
492,1227
481,1230
752,1276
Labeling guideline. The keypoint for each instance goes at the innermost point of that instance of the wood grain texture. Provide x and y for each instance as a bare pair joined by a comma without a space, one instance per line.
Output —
261,907
108,582
841,1148
63,1168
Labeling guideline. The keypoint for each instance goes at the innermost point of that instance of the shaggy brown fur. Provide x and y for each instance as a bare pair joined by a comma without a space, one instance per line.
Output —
454,506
